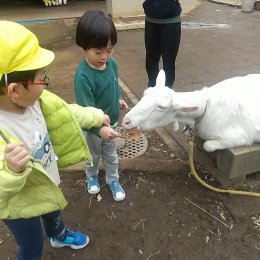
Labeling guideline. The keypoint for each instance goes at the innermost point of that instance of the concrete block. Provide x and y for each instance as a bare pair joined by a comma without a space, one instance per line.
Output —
239,161
247,6
204,159
124,8
233,164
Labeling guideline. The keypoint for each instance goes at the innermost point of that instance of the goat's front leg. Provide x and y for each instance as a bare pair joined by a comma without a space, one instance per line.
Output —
213,145
232,137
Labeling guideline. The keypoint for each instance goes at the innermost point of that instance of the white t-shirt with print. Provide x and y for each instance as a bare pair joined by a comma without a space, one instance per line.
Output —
30,128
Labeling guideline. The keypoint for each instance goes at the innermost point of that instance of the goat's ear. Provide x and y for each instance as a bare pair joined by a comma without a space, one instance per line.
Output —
189,109
160,80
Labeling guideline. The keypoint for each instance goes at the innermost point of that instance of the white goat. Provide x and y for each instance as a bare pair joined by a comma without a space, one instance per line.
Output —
225,115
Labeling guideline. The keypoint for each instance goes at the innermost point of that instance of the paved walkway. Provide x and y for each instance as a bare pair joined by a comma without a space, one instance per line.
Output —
27,13
36,12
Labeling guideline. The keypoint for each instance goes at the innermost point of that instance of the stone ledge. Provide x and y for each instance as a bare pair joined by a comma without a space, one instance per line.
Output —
234,3
134,164
233,164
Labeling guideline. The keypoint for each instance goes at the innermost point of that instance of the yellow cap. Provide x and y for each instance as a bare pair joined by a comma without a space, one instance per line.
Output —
20,50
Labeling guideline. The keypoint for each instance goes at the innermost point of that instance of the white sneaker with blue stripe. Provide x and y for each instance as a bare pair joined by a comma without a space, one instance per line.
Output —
117,190
93,185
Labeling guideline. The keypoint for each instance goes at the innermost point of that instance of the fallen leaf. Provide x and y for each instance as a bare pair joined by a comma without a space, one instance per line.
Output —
99,198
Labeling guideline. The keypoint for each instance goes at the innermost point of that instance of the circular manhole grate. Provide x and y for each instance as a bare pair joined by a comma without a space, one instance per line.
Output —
131,148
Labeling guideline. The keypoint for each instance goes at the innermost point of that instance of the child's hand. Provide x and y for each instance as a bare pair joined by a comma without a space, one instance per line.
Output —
16,157
108,133
106,121
123,105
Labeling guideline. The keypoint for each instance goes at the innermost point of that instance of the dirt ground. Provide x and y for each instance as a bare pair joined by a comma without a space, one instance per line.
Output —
166,215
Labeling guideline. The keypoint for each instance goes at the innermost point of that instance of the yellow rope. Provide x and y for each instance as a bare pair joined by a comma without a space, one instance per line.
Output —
203,183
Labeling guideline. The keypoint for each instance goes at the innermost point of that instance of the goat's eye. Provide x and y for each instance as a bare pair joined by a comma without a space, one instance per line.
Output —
161,107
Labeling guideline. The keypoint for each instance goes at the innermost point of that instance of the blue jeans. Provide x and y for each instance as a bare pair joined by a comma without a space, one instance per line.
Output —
105,149
29,234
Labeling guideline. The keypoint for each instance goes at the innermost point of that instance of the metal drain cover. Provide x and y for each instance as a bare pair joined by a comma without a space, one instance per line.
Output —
131,148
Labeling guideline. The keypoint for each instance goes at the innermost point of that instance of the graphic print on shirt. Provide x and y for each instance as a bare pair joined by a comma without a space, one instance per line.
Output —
42,149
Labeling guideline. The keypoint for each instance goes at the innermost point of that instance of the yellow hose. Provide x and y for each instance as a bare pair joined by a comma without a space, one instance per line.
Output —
203,183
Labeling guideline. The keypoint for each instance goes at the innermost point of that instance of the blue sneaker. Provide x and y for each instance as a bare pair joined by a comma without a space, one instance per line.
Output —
93,185
74,240
117,190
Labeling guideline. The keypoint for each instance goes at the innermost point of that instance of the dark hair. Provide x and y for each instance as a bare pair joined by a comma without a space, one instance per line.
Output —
17,76
95,29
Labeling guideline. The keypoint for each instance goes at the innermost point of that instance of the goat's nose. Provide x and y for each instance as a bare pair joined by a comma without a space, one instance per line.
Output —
126,122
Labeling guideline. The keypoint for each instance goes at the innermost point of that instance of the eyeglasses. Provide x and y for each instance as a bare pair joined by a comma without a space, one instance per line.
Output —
45,81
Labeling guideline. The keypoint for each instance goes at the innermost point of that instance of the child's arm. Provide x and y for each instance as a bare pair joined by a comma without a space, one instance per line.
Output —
16,157
12,182
89,117
14,168
108,133
123,105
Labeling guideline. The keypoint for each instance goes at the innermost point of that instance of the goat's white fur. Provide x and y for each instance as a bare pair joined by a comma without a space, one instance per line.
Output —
225,115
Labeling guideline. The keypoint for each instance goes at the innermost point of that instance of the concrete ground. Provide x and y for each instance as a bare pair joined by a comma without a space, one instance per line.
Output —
28,11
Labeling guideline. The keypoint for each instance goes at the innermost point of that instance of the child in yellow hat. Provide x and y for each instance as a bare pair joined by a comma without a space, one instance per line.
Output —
39,132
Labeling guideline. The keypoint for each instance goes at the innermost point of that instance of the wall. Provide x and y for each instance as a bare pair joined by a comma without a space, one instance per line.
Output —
125,8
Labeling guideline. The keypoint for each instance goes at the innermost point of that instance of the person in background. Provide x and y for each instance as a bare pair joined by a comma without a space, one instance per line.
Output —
162,38
37,128
96,84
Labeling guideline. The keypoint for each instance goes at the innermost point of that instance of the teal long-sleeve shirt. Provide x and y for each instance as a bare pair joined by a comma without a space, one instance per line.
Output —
98,88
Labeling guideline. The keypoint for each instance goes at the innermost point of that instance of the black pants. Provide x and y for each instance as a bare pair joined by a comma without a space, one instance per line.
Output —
161,40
